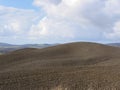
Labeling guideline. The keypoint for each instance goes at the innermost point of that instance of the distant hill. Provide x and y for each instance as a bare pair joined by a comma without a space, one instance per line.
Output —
5,48
5,45
114,44
73,66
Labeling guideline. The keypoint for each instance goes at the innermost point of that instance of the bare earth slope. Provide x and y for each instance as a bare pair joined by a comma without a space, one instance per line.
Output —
73,66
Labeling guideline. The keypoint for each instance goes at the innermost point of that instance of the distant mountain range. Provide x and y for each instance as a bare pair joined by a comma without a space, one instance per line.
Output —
114,44
5,47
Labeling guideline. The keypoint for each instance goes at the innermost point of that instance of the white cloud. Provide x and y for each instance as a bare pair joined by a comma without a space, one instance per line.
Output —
64,20
69,18
49,28
112,7
14,22
81,15
115,34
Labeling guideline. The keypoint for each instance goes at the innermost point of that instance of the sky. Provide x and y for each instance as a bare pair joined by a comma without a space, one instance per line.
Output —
59,21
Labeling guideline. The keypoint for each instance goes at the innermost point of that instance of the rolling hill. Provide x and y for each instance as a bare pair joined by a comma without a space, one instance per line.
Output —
73,66
6,48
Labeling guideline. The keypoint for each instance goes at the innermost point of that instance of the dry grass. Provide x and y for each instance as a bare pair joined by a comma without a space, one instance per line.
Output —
77,66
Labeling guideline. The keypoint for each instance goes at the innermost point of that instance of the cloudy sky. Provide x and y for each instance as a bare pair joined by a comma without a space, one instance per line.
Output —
59,21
